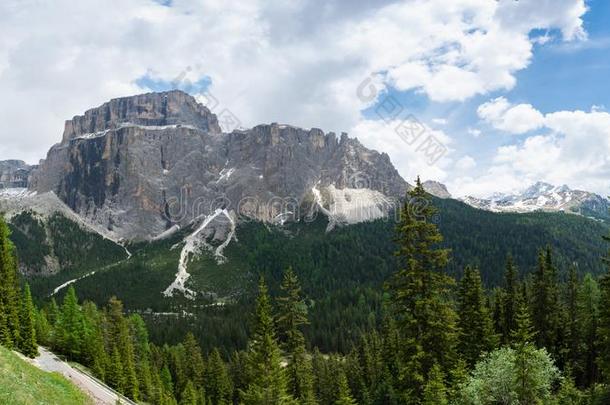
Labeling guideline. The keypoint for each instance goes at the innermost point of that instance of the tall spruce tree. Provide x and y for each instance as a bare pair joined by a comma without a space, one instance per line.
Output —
344,395
217,381
292,315
9,291
43,328
70,326
189,395
509,300
603,331
477,334
142,355
573,330
435,392
588,319
523,338
195,367
546,310
114,372
122,340
419,293
28,345
267,383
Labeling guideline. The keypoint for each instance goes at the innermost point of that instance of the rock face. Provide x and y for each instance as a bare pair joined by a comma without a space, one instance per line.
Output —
14,174
141,165
545,197
436,189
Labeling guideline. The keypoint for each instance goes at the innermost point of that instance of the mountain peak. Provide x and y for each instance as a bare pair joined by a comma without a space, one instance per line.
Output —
168,108
436,189
542,196
138,166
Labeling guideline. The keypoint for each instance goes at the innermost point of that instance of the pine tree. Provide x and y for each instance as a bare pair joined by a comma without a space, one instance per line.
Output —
476,329
344,396
121,338
114,373
292,312
195,368
324,378
142,355
132,389
166,381
267,379
419,293
588,318
509,300
238,373
292,315
435,392
177,366
43,328
217,382
546,310
603,330
53,312
28,345
9,291
523,338
573,331
70,326
189,395
524,332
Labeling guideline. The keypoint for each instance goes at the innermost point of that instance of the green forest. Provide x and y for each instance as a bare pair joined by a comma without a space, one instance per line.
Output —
431,328
342,273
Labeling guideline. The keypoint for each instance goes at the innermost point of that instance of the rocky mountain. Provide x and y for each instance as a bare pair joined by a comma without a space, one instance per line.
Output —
14,174
436,189
545,197
143,167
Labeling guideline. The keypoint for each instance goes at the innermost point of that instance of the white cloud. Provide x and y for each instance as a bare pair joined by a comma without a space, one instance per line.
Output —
465,163
297,62
408,157
475,132
516,119
575,150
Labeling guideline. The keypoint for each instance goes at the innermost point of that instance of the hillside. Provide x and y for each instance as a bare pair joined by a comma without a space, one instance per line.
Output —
22,383
339,268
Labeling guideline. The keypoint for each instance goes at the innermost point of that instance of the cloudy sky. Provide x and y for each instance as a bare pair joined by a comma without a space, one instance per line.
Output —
511,91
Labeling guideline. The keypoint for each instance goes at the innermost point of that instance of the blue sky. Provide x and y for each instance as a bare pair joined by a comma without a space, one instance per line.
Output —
515,91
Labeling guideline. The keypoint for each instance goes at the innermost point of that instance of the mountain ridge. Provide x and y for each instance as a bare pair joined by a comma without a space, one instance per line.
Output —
139,166
545,197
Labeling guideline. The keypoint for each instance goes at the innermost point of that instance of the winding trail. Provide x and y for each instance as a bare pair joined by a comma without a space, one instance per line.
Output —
97,390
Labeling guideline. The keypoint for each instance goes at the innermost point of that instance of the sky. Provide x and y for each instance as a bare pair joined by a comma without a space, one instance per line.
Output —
483,95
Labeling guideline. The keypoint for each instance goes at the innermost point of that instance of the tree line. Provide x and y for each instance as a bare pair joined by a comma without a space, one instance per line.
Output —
536,339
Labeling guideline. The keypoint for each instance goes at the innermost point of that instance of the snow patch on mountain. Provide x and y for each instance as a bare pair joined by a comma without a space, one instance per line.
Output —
99,134
543,196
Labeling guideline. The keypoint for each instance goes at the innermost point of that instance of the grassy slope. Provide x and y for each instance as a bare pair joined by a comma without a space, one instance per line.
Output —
23,383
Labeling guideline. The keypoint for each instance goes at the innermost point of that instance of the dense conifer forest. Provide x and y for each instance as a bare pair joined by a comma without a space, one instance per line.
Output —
430,333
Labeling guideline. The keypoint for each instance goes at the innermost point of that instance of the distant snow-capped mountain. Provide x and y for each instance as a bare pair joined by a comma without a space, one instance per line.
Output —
545,197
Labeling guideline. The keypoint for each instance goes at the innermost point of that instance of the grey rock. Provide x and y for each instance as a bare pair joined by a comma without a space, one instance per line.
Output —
436,189
140,165
14,174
